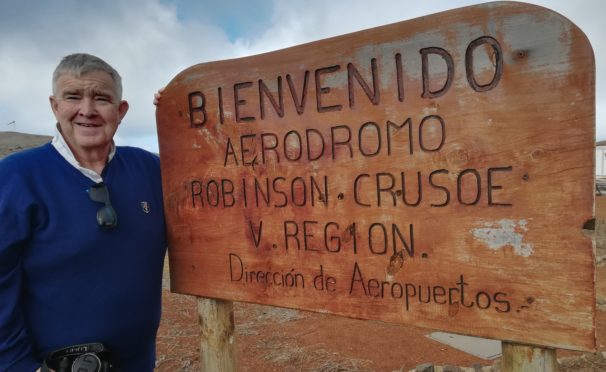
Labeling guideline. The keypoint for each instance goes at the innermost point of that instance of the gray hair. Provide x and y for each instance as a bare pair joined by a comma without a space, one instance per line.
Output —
79,64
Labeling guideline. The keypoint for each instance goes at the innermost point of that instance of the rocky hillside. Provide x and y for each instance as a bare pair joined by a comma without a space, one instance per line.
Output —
13,141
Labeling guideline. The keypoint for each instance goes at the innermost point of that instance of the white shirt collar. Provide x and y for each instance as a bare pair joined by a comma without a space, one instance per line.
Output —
62,148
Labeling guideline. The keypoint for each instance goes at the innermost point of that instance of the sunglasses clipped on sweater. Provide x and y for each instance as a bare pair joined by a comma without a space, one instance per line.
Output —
106,215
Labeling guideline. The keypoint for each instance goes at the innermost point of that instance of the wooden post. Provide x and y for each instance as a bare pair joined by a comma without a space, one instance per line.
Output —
216,318
527,358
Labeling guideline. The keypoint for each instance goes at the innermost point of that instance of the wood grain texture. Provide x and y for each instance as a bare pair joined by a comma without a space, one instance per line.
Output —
217,349
525,358
434,172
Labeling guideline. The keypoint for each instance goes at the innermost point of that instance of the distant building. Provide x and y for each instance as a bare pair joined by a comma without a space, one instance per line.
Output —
600,158
600,167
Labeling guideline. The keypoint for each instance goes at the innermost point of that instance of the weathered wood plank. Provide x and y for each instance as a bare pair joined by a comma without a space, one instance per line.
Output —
217,349
434,172
527,358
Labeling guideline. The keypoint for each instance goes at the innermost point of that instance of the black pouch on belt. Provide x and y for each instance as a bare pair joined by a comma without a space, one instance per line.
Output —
94,357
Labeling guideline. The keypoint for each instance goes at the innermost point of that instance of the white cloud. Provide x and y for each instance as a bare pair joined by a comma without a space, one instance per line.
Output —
143,40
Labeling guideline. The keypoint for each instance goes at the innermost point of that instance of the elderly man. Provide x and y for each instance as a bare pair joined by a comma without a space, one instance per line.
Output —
82,236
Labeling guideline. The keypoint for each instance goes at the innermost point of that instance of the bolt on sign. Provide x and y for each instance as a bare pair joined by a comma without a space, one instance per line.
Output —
436,172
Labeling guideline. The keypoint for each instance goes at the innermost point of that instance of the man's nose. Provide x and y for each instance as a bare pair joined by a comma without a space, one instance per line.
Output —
87,107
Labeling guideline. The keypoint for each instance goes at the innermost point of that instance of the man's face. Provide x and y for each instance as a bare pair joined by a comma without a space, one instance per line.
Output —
88,111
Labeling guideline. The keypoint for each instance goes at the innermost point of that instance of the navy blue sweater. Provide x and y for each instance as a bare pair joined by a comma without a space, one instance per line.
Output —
63,279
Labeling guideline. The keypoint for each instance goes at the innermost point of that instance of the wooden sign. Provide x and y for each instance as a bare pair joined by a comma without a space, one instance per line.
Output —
436,172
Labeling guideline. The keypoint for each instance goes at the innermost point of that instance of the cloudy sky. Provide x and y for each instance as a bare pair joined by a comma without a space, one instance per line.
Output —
150,41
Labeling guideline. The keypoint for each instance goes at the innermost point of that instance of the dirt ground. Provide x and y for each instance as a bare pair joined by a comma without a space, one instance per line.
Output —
276,339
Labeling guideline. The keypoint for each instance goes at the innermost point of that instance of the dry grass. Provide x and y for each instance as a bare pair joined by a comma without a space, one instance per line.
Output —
179,334
282,350
590,362
249,318
285,353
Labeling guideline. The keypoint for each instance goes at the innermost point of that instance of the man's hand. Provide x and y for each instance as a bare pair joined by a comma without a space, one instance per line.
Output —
158,95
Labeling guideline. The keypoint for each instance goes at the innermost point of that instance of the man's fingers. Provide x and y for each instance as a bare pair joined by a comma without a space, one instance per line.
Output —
158,95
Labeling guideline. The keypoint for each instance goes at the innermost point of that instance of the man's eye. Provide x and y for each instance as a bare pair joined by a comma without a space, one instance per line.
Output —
72,97
102,98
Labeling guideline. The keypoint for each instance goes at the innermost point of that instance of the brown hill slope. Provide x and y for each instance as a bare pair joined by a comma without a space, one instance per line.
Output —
14,141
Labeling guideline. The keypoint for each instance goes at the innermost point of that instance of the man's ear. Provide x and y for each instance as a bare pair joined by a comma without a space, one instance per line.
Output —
53,103
122,110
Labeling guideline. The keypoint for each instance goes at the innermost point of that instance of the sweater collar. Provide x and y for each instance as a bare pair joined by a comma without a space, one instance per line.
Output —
63,149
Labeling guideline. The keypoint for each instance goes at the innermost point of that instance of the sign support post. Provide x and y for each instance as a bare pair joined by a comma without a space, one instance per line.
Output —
520,358
216,318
